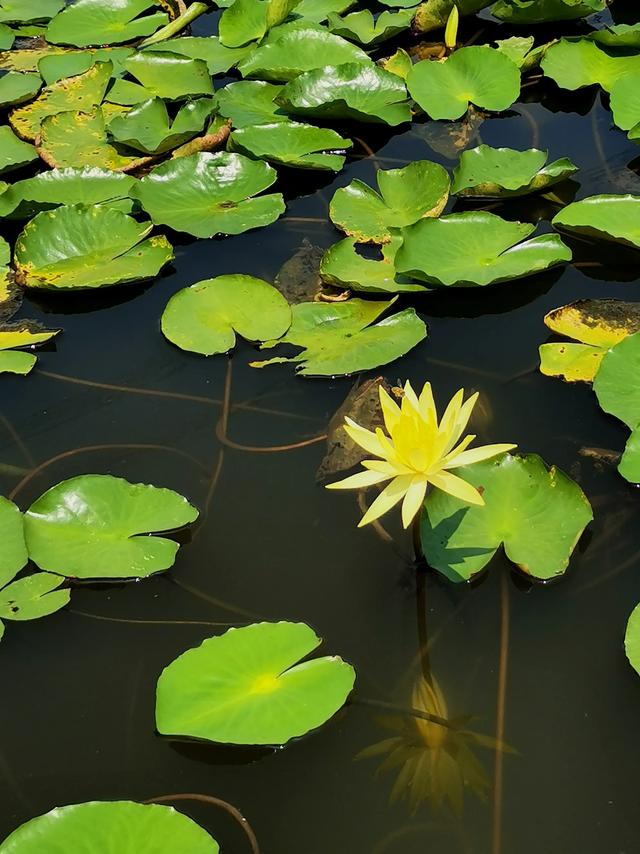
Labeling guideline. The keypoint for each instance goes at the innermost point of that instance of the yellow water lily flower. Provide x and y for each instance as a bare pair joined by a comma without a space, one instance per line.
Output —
419,450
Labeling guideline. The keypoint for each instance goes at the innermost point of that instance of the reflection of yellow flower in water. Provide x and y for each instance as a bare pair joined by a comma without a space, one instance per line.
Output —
419,450
433,762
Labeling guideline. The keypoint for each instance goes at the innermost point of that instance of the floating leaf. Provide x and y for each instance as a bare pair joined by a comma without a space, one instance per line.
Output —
23,334
28,11
32,597
98,526
542,11
7,37
249,20
250,686
17,87
516,48
337,337
625,103
219,59
476,248
363,28
14,152
476,75
164,75
577,63
81,93
343,267
17,362
76,247
632,639
206,317
123,826
487,172
292,144
147,127
317,11
250,103
69,63
100,22
537,514
293,49
617,36
355,90
206,194
14,554
418,190
614,218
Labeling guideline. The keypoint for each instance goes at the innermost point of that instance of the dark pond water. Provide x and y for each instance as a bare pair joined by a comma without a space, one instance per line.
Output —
543,666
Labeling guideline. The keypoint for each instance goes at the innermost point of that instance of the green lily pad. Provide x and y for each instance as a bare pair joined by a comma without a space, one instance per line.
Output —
537,514
629,465
97,526
28,11
543,11
576,63
207,194
292,144
69,63
122,826
17,362
249,20
363,28
614,218
23,334
82,93
165,75
250,686
293,49
418,190
625,103
14,554
206,317
147,127
100,22
7,37
14,152
617,36
77,247
354,90
16,87
343,267
399,63
487,172
337,338
219,59
250,103
480,248
517,48
32,598
632,639
317,11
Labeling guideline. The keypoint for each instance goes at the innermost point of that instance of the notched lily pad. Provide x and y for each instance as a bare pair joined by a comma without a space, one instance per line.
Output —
165,75
100,22
148,128
609,217
292,144
575,63
363,28
343,267
249,20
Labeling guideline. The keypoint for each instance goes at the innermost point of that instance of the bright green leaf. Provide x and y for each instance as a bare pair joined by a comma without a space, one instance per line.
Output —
363,28
28,11
13,556
17,87
574,63
165,75
147,127
249,20
343,267
14,152
487,172
614,218
219,59
102,22
292,144
17,362
250,103
33,597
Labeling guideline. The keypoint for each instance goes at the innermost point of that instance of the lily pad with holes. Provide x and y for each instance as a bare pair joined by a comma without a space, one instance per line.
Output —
363,28
209,49
338,338
537,514
75,247
356,90
98,526
16,87
476,249
206,317
148,128
14,152
165,75
14,554
418,190
293,49
250,102
28,11
574,63
292,144
249,20
123,826
82,93
206,194
520,12
487,172
102,22
343,267
608,217
251,686
472,75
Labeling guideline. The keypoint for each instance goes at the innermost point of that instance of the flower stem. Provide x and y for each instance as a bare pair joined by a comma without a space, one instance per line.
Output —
174,27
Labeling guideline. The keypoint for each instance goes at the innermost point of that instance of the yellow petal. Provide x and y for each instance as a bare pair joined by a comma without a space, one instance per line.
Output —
411,397
387,499
390,410
413,500
386,467
363,437
475,455
360,480
457,487
428,404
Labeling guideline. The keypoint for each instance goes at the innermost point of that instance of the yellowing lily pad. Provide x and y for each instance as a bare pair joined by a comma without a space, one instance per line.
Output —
101,22
607,217
250,686
487,172
292,144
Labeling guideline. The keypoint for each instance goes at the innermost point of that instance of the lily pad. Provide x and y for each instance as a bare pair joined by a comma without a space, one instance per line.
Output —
249,20
101,22
632,639
480,248
209,49
607,217
17,362
354,90
98,526
293,49
625,103
418,190
16,87
165,75
28,11
14,554
31,598
537,514
617,36
147,127
520,12
206,317
363,28
472,75
249,103
82,93
123,826
14,152
24,334
207,194
250,686
76,247
69,63
487,172
317,11
577,63
343,267
337,338
292,144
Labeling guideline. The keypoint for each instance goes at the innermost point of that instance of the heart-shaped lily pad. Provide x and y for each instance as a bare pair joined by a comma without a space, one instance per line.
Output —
206,194
343,267
14,554
537,514
418,190
100,22
249,20
480,248
69,63
363,28
122,826
292,144
576,63
248,686
487,172
97,526
206,317
165,75
148,128
338,339
14,152
77,247
31,598
354,90
472,75
608,217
